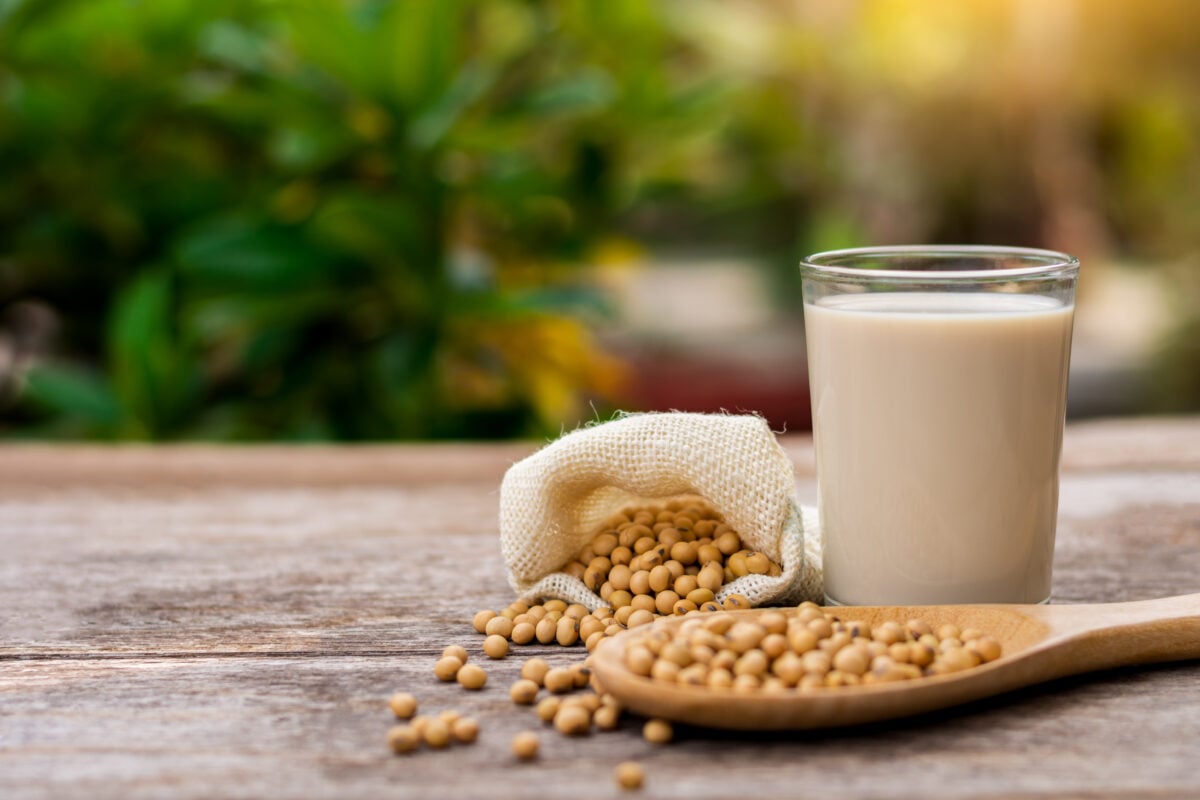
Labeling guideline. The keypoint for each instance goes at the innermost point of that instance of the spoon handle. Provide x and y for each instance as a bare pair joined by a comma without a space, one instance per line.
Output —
1103,636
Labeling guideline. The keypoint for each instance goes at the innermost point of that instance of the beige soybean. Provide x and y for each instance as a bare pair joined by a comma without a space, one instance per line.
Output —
472,677
658,731
403,705
567,632
535,669
630,775
525,746
436,733
640,617
735,602
523,633
664,601
589,625
546,630
465,730
643,602
580,674
987,647
607,717
403,739
481,620
684,607
447,668
524,692
495,646
456,650
573,720
559,680
547,708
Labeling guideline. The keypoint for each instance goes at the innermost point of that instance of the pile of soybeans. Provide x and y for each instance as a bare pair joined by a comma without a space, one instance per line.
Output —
643,562
803,648
675,559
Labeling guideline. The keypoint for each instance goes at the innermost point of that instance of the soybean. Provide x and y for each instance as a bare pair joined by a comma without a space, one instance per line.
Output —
606,717
525,746
524,692
559,680
658,731
481,620
535,669
548,708
465,730
630,775
472,677
573,720
456,650
436,733
403,705
403,739
447,668
495,646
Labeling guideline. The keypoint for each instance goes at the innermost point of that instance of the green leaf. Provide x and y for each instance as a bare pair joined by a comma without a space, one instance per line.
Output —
423,38
16,16
472,82
321,31
75,393
214,321
138,347
403,367
152,375
382,229
234,45
251,254
587,91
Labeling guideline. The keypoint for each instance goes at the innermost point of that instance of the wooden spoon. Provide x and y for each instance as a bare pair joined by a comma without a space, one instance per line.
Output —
1040,643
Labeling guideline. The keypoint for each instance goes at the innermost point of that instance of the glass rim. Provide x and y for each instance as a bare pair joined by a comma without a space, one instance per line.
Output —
1049,263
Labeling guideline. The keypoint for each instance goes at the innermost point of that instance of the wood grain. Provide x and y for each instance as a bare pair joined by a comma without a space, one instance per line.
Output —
206,621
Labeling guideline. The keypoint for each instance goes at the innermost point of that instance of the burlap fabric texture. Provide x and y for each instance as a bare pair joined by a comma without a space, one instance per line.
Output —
552,502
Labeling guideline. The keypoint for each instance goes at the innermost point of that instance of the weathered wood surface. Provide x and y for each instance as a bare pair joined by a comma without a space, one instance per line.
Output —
213,622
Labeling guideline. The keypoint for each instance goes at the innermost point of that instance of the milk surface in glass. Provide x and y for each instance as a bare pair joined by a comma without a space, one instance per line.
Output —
938,429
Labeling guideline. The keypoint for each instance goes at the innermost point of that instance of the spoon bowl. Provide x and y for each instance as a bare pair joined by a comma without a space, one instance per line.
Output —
1040,643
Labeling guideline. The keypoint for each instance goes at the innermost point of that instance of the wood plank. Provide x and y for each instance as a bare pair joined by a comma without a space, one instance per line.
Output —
145,466
1123,444
314,727
243,569
1157,442
298,571
198,621
334,569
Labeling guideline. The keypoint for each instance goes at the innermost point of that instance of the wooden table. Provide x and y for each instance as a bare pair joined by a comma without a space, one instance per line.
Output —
212,622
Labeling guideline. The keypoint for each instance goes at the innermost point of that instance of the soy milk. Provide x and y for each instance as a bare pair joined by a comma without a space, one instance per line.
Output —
938,424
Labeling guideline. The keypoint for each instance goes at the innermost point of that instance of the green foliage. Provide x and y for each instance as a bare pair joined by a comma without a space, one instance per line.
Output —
277,219
366,219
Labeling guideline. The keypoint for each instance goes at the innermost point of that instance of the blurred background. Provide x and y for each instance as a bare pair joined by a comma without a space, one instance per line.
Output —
419,219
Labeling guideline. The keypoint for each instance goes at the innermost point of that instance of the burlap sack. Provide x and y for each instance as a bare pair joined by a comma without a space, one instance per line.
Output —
552,502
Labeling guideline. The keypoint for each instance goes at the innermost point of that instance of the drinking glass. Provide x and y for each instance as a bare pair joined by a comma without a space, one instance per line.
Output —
939,380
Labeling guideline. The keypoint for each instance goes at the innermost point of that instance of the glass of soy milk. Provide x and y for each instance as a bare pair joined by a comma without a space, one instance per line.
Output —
939,381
